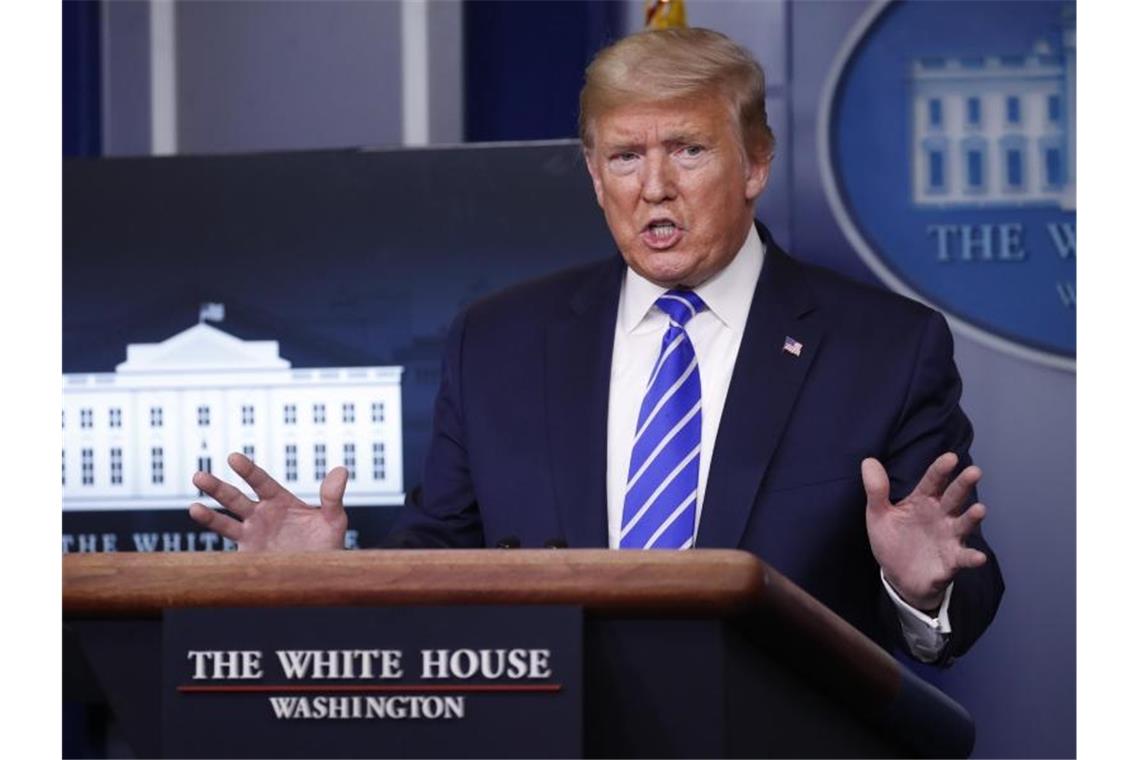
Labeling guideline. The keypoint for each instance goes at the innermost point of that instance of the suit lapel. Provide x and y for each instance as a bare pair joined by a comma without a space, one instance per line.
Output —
765,383
579,352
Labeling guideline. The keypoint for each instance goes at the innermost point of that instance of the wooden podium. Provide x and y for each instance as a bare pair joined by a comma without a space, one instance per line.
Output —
757,667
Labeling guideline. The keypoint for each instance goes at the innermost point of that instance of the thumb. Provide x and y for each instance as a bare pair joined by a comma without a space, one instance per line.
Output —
332,489
875,483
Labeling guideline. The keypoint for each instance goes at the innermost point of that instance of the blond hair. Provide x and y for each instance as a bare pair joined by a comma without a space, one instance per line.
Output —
660,65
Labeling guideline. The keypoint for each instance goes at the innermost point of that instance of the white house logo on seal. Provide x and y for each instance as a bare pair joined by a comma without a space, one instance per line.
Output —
947,143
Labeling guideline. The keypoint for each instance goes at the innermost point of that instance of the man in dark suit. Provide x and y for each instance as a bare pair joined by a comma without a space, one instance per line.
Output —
704,390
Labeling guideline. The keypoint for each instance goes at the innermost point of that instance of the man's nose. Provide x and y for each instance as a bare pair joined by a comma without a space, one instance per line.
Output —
660,181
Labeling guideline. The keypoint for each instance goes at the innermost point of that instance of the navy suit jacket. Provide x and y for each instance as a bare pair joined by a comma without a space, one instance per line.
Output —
518,445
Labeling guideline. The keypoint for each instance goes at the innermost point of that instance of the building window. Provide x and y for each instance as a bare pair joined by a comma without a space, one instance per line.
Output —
115,417
87,469
290,414
974,168
85,417
348,412
63,419
116,467
319,463
203,416
1054,169
63,473
350,460
156,416
157,467
203,466
934,112
248,451
247,414
290,462
379,469
937,173
973,111
1013,109
319,414
377,411
1013,168
974,164
1054,108
933,165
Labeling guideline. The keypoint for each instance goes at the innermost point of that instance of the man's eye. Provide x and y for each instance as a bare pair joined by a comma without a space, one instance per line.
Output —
692,151
625,157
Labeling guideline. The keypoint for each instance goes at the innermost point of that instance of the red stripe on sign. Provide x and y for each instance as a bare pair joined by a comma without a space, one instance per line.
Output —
387,689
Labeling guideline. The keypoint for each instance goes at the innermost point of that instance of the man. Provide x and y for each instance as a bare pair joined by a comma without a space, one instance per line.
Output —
703,390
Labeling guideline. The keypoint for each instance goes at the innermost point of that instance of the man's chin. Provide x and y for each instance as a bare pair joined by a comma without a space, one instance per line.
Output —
668,269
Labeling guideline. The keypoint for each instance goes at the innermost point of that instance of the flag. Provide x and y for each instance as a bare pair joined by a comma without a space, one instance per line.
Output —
793,346
664,14
213,312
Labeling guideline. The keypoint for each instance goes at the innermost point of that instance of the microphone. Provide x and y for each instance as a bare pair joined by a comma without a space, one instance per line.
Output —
555,543
508,542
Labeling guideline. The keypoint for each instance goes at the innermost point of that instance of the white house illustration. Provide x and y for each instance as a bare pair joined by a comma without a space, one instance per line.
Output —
995,130
133,438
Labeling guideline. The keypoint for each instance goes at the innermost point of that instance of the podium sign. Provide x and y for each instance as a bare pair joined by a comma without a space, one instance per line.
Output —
537,653
379,682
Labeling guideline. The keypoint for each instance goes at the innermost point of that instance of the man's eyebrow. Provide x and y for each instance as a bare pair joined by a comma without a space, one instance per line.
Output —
674,139
685,138
631,145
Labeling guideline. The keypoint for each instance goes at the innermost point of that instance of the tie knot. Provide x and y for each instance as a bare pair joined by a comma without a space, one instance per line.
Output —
681,305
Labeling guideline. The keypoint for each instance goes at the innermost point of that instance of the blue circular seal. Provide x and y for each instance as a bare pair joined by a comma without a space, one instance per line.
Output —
947,144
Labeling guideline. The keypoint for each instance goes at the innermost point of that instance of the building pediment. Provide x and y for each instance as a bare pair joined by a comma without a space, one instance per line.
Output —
202,347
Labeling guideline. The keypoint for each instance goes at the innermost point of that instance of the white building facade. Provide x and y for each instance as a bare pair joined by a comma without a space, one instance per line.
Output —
133,438
995,130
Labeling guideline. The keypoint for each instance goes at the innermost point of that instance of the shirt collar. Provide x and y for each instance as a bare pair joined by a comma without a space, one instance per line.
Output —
728,293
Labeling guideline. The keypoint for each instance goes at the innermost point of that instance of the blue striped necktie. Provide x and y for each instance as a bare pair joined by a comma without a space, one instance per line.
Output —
660,507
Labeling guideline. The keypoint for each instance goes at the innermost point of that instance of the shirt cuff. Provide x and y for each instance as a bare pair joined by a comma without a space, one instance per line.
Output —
925,636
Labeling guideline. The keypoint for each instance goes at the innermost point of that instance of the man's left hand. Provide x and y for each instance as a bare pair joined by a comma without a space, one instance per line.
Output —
919,542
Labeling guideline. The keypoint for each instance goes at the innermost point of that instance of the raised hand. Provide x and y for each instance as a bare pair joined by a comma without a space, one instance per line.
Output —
919,542
279,521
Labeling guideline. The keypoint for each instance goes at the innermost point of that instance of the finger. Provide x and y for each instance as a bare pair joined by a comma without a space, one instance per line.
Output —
876,483
970,520
219,523
224,493
971,558
332,491
934,480
959,491
258,479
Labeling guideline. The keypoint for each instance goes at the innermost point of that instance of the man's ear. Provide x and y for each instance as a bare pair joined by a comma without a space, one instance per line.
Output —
756,177
595,177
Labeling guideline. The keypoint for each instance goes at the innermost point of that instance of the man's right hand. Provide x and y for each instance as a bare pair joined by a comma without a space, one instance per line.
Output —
279,521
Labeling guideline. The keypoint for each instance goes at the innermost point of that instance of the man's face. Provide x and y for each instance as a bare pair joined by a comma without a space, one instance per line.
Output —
676,187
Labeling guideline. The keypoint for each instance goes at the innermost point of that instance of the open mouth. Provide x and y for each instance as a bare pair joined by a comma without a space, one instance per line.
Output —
661,233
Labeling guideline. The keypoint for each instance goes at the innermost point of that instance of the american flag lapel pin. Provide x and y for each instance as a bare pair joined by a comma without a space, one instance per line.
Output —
792,346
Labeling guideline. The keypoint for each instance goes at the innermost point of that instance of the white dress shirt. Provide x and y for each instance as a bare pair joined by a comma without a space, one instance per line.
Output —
716,334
